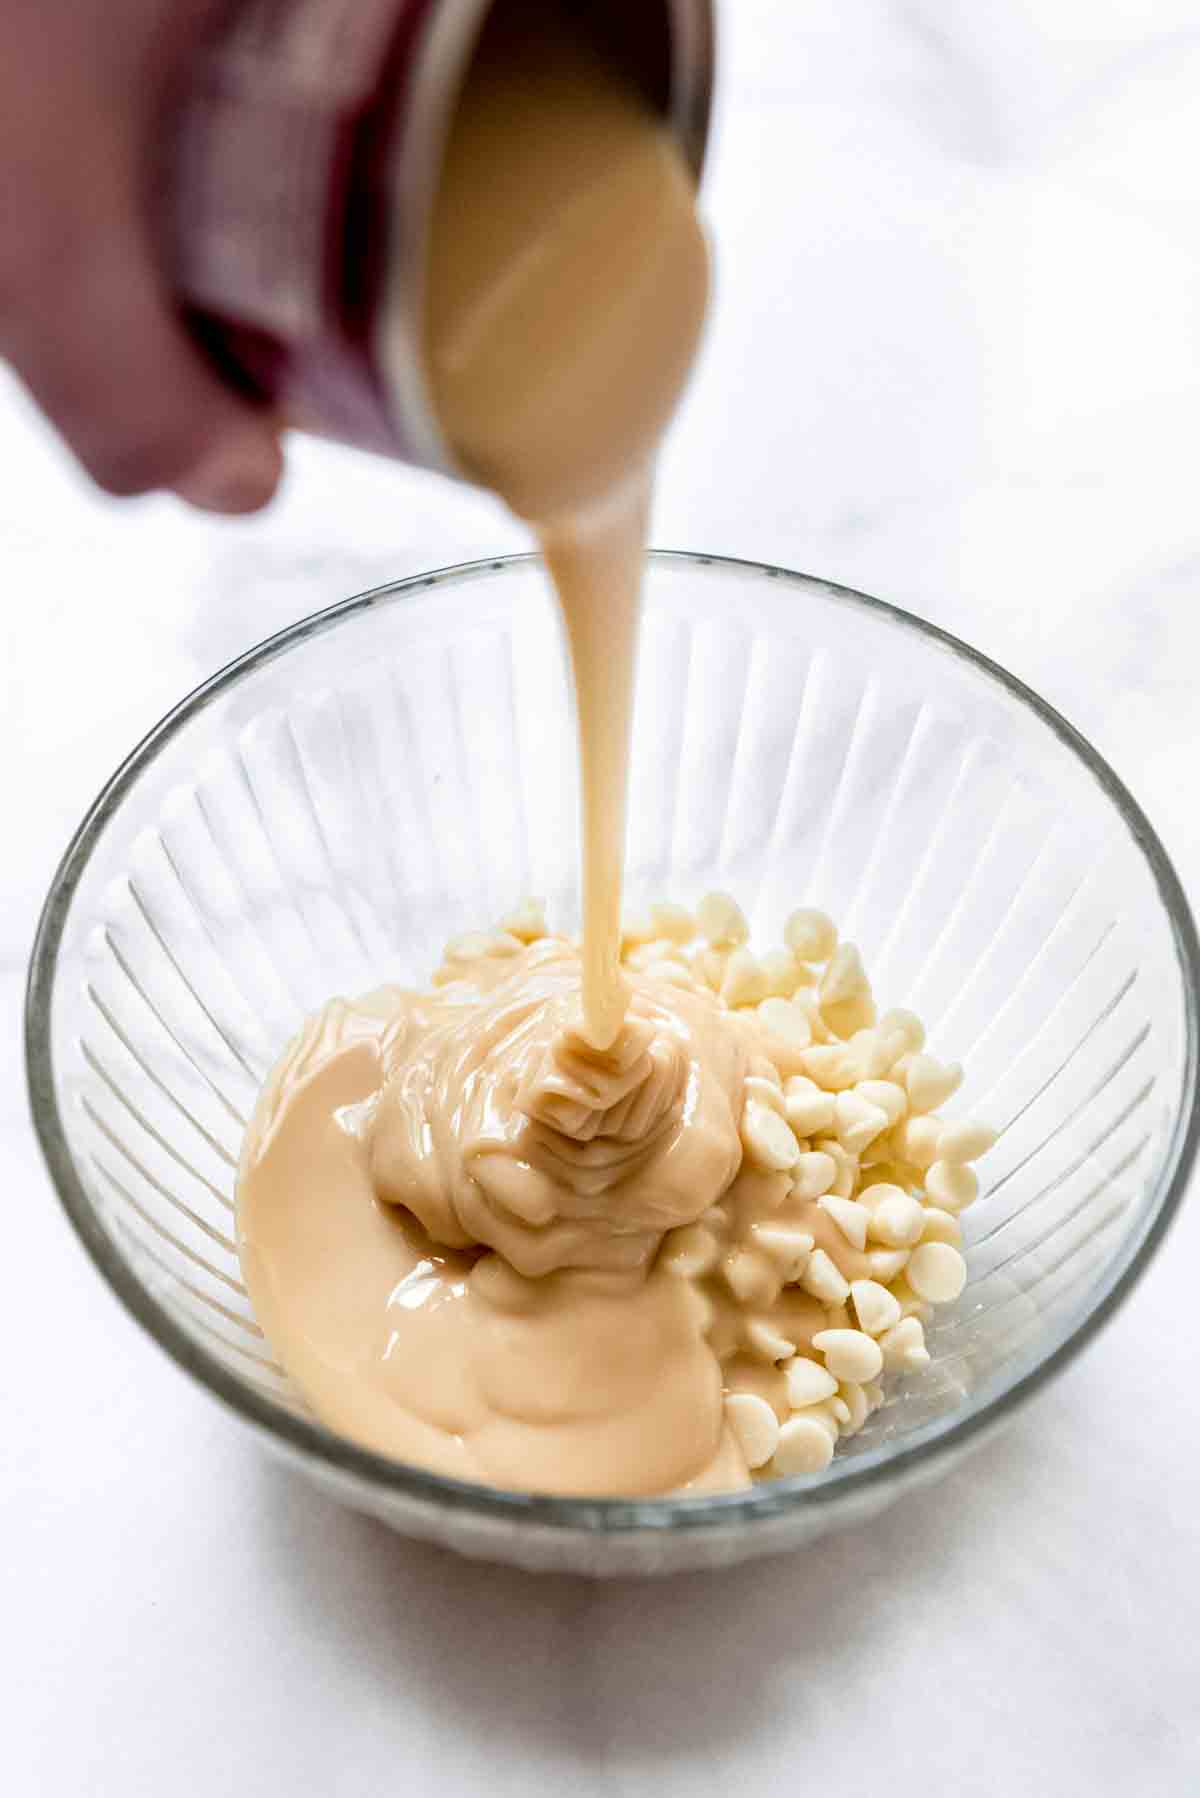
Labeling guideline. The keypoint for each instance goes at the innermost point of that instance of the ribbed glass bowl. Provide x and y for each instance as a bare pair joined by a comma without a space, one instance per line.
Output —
319,817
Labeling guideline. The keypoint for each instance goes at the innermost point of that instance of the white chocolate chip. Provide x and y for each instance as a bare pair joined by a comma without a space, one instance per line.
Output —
763,1068
673,921
917,1141
850,1354
847,1017
896,1216
810,935
952,1185
909,1302
472,945
851,1219
873,1393
527,921
874,1192
822,1035
765,1341
822,1280
904,1345
788,1021
857,1122
875,1307
841,1410
885,1264
721,921
709,964
689,1251
870,1055
854,1397
846,1177
906,1024
751,1278
767,1092
895,1051
830,1066
755,1426
886,1096
813,1174
804,1447
965,1142
769,1140
930,1083
936,1272
825,1414
807,1382
809,1110
787,1246
941,1226
781,971
743,982
639,928
844,978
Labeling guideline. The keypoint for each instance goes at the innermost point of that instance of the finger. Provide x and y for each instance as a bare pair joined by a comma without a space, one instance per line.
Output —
93,332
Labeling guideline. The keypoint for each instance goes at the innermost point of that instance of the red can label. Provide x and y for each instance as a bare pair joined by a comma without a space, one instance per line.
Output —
283,209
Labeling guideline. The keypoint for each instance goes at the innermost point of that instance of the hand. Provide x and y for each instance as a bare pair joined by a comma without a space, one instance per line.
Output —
86,316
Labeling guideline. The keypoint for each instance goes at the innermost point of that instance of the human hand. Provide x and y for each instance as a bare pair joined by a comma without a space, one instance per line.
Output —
86,316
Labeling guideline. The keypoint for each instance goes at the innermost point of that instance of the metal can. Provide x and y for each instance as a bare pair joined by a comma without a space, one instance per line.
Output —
302,169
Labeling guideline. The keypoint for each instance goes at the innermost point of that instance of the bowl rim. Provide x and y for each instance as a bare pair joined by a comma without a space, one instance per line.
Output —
337,1457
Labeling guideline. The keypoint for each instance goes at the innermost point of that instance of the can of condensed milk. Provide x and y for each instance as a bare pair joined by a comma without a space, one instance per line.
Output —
302,169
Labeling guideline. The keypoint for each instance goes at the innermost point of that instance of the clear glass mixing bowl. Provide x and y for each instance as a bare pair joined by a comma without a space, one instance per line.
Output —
320,816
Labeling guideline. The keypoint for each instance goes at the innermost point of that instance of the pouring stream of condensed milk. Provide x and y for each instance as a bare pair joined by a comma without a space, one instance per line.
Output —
568,282
450,1203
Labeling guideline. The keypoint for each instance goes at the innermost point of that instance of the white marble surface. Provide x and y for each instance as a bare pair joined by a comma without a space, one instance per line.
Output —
955,361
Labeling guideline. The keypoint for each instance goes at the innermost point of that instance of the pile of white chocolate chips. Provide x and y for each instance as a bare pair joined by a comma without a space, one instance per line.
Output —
822,1262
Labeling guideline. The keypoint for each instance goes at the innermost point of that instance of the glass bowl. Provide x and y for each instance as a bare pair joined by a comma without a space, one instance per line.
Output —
321,815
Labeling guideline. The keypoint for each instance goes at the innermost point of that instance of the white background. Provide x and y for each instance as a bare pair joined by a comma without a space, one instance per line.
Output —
954,361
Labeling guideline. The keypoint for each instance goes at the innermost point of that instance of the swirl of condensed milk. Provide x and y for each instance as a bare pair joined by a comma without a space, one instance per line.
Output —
500,1125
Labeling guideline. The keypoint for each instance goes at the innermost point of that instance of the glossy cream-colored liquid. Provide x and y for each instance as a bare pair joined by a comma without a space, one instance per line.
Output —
450,1208
450,1204
568,283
